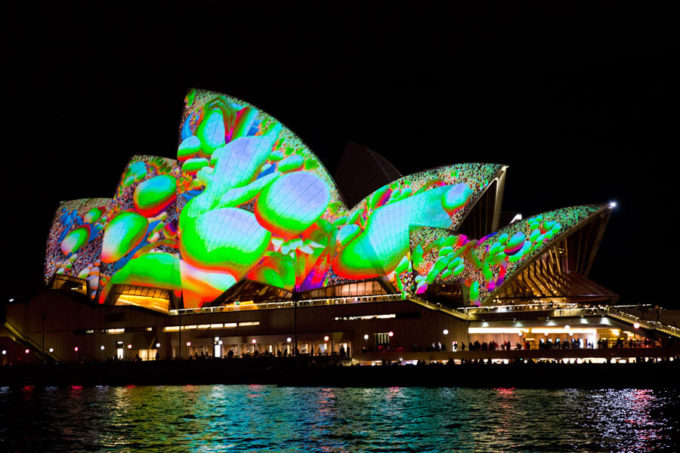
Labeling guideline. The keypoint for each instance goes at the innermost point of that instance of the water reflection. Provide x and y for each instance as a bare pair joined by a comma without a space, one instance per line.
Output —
267,418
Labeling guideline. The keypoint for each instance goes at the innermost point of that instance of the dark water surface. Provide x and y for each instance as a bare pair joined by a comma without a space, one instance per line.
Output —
270,418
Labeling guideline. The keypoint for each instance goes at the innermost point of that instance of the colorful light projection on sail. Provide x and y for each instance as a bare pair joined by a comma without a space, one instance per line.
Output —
139,245
74,243
484,265
259,205
248,200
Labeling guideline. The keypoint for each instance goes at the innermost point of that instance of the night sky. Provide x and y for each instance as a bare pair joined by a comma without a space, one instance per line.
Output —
581,103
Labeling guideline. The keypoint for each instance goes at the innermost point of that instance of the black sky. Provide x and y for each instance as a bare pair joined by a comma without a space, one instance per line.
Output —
581,102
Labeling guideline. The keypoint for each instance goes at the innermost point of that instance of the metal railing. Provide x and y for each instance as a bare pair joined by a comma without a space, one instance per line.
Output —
439,307
27,340
647,324
517,308
558,309
289,304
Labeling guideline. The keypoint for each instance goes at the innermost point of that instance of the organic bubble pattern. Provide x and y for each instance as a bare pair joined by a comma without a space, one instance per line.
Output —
140,237
483,265
74,243
246,199
256,203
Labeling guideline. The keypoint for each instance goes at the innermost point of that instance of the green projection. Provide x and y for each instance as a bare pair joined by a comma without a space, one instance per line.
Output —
139,245
74,242
246,199
484,265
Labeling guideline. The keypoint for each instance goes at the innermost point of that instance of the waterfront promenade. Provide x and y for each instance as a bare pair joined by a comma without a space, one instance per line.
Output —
662,371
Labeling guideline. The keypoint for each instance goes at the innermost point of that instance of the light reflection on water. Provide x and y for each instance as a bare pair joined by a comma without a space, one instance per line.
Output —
270,418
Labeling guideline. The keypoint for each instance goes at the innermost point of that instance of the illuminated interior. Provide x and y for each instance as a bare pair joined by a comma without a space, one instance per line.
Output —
147,297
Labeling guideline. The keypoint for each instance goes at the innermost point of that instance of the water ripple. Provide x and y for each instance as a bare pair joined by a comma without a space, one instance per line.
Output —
268,418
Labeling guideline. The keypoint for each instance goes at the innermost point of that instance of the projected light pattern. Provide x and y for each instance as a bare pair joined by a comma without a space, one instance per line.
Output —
74,243
140,244
256,203
246,199
484,265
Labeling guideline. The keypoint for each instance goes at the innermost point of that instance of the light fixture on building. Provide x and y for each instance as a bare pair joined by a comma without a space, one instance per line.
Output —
158,345
445,331
27,351
129,346
101,347
288,340
4,352
51,349
76,349
325,338
390,333
188,343
636,325
366,337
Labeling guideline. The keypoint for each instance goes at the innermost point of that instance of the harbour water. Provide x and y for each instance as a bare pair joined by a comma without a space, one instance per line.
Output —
272,418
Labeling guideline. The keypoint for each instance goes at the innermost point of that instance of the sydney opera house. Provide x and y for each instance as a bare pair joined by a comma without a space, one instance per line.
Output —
244,244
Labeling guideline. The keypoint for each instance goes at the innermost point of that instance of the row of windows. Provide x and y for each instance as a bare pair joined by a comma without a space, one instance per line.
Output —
140,291
367,288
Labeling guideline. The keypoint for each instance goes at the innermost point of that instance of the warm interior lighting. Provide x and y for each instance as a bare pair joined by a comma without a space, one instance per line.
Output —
496,330
543,330
365,317
557,330
152,303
